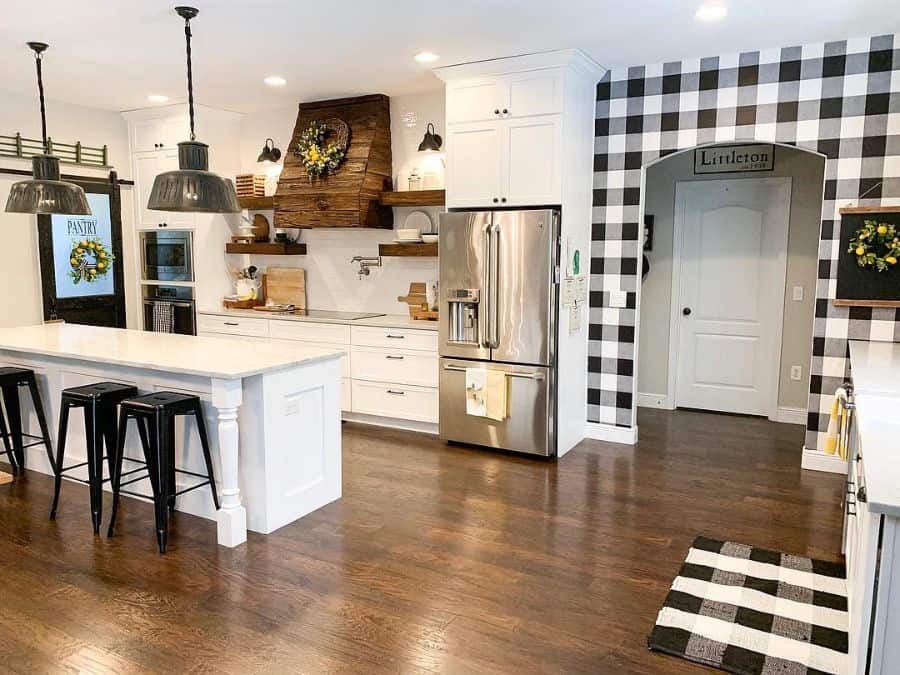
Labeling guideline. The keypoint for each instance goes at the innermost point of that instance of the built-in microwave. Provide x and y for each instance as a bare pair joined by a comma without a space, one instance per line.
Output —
167,256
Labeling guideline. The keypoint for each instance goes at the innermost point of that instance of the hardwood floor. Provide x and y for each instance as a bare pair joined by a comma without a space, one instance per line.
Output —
438,558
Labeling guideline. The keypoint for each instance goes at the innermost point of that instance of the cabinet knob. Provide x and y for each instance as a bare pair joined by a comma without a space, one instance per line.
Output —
496,111
496,200
686,311
505,111
503,199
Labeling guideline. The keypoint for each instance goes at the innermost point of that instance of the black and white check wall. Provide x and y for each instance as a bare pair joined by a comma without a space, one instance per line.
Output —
841,99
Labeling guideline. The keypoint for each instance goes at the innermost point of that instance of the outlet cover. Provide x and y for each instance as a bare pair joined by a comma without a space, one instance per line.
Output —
796,373
797,294
618,299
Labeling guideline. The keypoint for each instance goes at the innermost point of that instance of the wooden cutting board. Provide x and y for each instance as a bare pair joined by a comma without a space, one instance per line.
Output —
286,286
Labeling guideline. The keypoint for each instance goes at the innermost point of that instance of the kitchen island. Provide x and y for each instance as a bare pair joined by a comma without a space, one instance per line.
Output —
273,414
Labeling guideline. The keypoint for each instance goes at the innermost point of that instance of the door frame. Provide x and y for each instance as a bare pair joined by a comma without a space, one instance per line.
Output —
775,313
110,187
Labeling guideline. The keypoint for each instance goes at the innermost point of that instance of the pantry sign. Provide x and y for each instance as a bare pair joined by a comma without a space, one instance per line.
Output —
83,260
734,158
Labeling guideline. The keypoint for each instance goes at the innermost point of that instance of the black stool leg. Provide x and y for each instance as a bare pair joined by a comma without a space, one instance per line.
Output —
107,418
161,456
173,483
116,476
60,455
14,419
204,442
94,436
42,420
4,431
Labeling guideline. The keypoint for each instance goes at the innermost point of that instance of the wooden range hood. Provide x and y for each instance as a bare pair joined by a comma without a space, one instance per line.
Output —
350,196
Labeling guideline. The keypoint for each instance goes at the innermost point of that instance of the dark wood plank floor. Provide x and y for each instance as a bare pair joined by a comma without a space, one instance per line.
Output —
438,558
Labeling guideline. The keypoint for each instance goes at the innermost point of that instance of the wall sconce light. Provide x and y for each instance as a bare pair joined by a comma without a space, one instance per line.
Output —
269,152
431,142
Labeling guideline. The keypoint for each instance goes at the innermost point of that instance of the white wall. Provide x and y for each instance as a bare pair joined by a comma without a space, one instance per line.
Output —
66,123
331,280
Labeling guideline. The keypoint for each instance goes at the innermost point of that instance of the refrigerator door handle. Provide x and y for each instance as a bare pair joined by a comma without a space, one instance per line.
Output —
524,376
484,310
494,234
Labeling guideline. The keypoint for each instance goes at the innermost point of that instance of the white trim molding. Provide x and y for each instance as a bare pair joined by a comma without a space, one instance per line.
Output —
611,433
788,415
660,401
814,460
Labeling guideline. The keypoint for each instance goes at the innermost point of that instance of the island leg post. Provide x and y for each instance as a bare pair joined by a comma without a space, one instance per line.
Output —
227,396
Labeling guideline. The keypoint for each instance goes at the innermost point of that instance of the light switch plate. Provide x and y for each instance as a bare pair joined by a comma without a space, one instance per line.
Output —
796,373
797,294
618,299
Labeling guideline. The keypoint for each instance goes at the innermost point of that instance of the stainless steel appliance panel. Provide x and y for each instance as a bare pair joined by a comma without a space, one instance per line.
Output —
463,263
530,426
167,256
522,285
183,309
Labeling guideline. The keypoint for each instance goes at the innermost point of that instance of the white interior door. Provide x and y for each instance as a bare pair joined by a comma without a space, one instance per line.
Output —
731,239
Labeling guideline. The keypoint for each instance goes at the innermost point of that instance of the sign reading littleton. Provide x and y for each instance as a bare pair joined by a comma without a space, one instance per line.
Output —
733,158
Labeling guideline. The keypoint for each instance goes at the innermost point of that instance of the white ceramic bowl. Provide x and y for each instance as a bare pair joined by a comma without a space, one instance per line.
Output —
430,238
407,233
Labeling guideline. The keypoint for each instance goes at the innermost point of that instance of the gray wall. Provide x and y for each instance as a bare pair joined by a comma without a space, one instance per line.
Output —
807,171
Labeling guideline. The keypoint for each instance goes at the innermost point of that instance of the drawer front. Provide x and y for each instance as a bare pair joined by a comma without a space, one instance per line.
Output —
295,344
333,333
208,323
395,400
402,366
394,338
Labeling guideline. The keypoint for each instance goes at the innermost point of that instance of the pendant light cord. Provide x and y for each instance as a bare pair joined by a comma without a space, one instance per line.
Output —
40,79
190,75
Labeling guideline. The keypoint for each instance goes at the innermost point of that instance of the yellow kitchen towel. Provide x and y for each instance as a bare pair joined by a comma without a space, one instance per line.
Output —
835,438
486,393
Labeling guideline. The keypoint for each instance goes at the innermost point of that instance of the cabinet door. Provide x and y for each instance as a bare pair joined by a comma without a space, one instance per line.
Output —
538,92
532,161
158,134
477,100
474,153
147,166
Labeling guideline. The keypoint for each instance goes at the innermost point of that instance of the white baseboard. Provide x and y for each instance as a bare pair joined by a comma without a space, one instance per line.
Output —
814,460
390,422
611,433
661,401
787,415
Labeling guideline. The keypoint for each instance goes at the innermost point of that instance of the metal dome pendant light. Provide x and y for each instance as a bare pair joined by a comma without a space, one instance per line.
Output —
193,187
45,192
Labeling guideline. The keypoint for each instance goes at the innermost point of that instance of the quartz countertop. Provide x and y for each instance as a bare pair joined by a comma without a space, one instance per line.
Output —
166,352
384,321
875,367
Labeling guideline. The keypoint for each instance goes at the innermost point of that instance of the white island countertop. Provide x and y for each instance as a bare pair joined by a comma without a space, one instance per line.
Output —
185,354
875,368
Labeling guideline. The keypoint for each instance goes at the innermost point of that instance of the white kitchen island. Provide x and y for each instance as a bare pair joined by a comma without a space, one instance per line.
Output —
273,413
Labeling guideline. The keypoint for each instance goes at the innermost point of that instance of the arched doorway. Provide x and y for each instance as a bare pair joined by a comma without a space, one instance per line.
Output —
726,304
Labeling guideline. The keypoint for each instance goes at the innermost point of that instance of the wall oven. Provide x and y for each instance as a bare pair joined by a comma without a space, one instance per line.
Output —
167,256
169,309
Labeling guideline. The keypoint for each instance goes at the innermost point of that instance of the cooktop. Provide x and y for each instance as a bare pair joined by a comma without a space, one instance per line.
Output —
330,314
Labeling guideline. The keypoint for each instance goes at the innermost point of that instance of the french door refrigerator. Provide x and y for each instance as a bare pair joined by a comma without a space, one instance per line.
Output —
499,286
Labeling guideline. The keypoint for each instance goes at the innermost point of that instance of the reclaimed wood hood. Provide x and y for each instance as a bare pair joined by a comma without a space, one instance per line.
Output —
349,197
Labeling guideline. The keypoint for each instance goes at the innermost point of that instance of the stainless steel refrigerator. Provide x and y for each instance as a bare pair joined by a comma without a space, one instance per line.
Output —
499,286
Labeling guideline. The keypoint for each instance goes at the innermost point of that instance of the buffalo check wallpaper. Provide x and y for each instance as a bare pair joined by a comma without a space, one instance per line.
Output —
840,99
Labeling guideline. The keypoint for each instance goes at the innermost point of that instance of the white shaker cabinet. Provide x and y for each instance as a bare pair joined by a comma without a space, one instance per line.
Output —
475,176
147,165
160,133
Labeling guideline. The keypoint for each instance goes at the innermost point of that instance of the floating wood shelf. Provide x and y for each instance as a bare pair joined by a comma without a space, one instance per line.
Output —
267,248
869,209
257,203
414,198
408,250
888,304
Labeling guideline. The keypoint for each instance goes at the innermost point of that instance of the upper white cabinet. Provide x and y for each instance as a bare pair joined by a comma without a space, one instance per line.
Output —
507,122
164,133
147,165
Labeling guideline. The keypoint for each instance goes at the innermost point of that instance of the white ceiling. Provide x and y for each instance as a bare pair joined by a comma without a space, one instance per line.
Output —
111,54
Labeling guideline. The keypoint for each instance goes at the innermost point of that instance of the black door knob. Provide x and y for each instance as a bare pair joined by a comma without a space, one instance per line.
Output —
686,311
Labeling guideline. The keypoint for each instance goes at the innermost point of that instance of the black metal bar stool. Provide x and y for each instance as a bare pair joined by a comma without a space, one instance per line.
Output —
99,401
11,378
158,411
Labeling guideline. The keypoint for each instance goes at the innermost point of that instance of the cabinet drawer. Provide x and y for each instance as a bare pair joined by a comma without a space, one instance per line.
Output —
208,323
395,400
394,338
332,333
402,366
296,344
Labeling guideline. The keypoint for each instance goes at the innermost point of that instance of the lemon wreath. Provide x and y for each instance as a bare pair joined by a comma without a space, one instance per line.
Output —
322,146
89,260
876,245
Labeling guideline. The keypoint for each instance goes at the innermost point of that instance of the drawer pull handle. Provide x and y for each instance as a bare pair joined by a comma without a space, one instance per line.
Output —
395,358
231,323
396,393
524,376
395,337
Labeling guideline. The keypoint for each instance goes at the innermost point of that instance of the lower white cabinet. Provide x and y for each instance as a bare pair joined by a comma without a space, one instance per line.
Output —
387,372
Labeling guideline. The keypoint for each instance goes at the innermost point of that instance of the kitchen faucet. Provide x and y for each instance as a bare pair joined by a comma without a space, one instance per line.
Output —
365,263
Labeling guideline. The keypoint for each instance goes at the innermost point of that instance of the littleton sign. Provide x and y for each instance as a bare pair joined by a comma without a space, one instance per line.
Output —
732,158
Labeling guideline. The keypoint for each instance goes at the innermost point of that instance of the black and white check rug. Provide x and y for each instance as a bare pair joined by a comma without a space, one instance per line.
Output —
748,610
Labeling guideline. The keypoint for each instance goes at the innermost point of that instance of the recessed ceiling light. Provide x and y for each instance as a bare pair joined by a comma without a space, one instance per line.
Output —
157,98
712,11
275,81
426,57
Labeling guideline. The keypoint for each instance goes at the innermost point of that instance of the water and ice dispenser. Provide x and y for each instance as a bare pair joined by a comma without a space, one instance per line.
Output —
463,307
